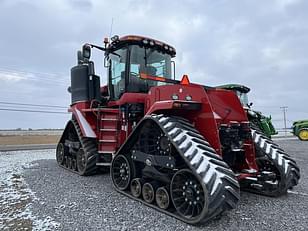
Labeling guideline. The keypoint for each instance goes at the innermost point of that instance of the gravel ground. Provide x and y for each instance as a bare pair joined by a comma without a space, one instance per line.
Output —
55,199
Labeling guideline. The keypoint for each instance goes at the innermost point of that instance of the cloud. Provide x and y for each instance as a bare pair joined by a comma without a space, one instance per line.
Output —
284,4
11,77
83,5
261,45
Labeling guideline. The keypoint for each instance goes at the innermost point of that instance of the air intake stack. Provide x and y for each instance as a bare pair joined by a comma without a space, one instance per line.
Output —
85,85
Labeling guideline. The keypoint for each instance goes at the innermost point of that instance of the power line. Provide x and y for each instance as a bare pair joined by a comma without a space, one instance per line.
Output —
51,75
13,107
36,76
33,74
37,111
33,105
37,79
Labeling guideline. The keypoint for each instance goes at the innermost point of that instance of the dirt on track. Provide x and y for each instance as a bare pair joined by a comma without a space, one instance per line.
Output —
28,139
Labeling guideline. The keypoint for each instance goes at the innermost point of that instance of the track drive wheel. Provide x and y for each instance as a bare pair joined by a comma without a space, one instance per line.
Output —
121,172
188,196
303,135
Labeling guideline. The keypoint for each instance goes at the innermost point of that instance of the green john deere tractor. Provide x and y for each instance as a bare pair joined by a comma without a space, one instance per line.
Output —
300,129
257,119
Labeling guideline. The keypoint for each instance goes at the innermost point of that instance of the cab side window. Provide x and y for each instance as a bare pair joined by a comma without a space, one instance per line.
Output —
117,73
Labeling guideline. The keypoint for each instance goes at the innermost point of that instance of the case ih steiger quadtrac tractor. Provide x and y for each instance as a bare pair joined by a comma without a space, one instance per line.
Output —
178,147
256,118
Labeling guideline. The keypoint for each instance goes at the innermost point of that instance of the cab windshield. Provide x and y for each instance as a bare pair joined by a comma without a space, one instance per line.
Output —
129,63
147,62
243,98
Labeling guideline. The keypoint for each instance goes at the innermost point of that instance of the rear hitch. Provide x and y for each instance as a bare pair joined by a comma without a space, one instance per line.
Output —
267,176
264,180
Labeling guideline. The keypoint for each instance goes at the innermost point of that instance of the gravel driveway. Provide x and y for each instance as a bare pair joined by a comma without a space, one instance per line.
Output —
36,194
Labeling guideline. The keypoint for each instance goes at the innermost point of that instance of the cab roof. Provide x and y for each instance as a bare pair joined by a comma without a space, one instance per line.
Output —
237,87
141,40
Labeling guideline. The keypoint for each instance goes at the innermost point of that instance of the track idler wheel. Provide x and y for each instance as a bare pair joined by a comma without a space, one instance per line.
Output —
148,193
188,196
81,160
60,152
136,187
121,172
162,198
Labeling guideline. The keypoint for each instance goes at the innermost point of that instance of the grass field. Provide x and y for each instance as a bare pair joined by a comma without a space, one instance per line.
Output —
28,139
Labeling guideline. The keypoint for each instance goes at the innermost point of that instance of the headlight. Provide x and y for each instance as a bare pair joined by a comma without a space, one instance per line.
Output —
188,98
115,38
175,97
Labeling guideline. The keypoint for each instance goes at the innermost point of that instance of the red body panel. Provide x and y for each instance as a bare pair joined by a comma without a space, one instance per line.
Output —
218,107
203,120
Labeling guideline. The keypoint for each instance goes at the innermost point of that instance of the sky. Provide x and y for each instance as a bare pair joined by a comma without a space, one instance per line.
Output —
261,44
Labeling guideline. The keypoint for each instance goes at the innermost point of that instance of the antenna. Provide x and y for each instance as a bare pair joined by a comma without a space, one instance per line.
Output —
111,28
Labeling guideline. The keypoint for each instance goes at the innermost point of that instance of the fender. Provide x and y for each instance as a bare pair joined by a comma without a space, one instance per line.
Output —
173,104
86,129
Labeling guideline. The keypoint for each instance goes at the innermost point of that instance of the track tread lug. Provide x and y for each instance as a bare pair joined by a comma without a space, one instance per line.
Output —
289,171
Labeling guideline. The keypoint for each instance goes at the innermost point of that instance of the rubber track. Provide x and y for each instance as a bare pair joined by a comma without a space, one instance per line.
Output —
287,167
90,147
219,180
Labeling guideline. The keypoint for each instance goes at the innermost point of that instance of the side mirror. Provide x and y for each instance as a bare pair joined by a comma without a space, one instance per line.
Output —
86,51
250,104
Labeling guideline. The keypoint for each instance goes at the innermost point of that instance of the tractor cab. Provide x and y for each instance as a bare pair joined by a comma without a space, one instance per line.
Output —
134,64
133,61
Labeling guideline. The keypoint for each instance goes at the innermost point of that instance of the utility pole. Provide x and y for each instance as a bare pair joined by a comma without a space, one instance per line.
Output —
284,109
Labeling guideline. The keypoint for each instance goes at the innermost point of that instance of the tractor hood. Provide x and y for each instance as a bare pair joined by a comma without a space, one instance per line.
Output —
300,122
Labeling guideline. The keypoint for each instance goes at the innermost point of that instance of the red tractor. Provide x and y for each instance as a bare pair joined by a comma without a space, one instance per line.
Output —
179,147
